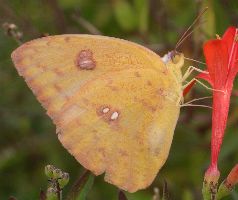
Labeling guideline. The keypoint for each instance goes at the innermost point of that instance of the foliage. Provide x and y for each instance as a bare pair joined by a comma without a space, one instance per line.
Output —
28,140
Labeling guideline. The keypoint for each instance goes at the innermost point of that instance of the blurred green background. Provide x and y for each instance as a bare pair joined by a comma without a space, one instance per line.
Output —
27,136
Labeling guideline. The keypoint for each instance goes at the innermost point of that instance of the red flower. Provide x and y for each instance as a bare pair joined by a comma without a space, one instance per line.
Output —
222,64
232,178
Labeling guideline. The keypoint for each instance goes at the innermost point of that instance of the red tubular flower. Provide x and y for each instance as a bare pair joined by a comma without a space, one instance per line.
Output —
232,178
222,64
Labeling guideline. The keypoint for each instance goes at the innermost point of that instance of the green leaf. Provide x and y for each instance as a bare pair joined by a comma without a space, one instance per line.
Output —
68,4
142,10
81,187
223,191
125,15
209,28
87,187
234,195
187,195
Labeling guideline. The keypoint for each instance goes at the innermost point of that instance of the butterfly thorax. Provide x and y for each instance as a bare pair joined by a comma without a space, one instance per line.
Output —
174,62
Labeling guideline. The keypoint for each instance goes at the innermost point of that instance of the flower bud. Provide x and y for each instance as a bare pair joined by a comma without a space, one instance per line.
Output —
57,173
49,171
63,181
232,178
212,175
210,182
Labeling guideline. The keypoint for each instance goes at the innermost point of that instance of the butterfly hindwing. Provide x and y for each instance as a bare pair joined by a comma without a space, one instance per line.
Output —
123,126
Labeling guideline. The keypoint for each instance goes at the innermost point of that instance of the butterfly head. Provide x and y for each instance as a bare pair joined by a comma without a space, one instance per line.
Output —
174,59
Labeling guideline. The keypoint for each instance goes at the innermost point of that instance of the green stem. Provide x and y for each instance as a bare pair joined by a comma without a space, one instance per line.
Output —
206,191
59,191
209,191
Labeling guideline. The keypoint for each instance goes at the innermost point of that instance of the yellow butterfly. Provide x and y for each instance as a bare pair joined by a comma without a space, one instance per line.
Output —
115,103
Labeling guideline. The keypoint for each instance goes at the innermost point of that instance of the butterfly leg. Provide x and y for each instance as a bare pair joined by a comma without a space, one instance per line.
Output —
190,70
201,83
189,103
185,76
194,105
198,99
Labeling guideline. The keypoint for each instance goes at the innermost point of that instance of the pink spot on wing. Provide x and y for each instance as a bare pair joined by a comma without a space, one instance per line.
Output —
85,60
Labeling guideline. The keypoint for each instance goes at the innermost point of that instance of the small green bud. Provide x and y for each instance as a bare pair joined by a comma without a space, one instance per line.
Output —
63,181
57,173
51,194
49,171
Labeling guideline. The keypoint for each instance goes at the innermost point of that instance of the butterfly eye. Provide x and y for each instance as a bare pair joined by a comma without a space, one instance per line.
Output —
176,57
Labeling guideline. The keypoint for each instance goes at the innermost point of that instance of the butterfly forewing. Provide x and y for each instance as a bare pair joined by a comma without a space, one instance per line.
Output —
113,103
55,67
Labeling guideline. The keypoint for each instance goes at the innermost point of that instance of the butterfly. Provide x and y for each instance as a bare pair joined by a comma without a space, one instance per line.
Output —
115,103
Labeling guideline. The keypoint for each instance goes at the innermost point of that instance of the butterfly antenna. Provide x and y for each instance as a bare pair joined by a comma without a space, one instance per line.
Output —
178,44
198,99
191,26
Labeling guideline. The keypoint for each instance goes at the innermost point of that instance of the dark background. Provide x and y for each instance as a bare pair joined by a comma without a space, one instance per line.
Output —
27,136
